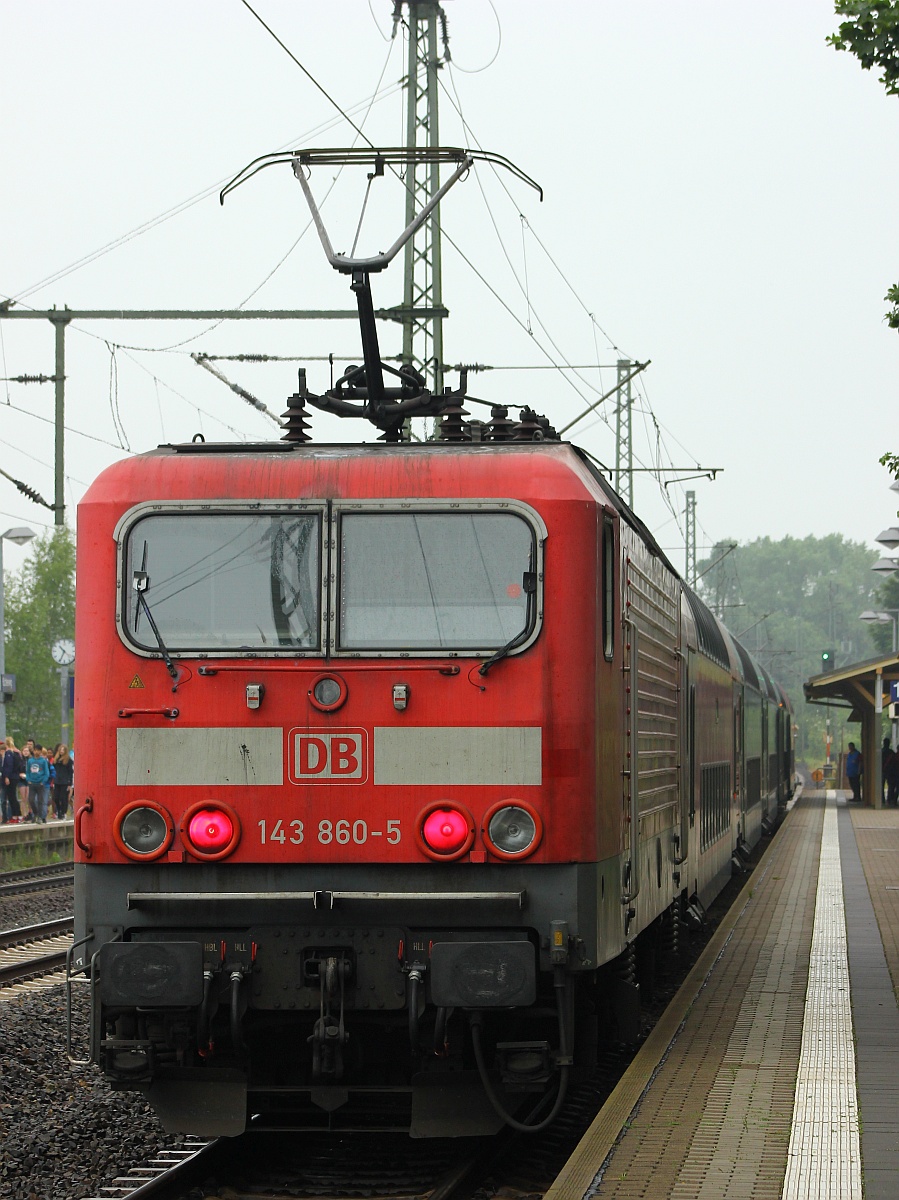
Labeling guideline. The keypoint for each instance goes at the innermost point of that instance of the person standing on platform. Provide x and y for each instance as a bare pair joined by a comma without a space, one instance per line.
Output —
62,784
37,772
888,768
891,774
854,771
23,783
10,772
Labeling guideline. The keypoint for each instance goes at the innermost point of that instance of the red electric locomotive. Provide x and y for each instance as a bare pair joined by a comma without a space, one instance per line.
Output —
390,756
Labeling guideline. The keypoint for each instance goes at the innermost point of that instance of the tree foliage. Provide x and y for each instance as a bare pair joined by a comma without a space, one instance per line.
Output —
871,33
892,297
40,608
790,600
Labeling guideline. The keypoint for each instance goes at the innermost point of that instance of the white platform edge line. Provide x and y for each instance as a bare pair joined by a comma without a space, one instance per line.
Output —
824,1156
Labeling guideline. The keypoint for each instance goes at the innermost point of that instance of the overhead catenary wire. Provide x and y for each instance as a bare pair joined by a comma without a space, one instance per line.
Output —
68,428
525,288
308,74
184,205
499,46
456,103
660,449
32,520
201,361
201,412
203,332
114,399
5,367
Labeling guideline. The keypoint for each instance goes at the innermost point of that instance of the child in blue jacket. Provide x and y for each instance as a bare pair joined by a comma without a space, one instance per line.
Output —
37,776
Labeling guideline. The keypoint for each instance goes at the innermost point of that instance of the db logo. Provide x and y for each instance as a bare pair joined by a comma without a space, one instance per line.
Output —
332,755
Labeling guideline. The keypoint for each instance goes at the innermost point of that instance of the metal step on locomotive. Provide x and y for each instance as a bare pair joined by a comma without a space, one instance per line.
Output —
431,739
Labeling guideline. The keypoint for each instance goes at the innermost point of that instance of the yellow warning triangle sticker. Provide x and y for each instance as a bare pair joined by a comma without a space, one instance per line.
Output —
136,682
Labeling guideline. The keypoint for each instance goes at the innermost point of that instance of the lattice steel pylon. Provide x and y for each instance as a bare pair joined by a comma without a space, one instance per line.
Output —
624,446
422,286
690,520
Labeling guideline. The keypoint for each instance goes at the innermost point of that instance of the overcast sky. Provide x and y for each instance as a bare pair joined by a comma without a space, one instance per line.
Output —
719,198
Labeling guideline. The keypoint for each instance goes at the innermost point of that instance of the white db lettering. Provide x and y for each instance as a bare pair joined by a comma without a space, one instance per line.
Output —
326,755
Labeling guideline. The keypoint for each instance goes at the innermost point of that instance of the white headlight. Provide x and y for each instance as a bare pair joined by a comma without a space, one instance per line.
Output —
144,830
512,830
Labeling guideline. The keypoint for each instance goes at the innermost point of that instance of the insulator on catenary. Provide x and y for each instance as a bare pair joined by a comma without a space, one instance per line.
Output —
453,427
294,420
528,428
500,427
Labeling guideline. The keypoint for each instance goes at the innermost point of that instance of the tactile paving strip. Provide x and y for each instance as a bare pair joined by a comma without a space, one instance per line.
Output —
824,1157
714,1123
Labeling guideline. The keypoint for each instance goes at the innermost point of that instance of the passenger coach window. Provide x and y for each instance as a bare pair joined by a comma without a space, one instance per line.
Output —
434,581
236,581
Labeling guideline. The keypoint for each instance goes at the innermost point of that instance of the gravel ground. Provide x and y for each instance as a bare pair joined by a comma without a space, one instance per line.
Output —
63,1133
33,907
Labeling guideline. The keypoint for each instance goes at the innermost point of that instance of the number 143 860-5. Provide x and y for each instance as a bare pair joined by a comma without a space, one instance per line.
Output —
344,832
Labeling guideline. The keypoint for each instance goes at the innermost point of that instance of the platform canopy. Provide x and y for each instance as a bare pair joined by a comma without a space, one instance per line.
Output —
863,688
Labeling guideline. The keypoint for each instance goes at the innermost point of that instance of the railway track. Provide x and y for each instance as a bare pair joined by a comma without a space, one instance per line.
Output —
165,1175
259,1166
34,951
37,879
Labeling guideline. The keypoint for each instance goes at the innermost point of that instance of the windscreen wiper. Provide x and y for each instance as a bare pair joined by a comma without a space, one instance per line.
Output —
140,581
529,583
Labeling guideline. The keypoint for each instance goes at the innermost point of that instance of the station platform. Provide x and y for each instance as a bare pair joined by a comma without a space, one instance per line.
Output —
16,840
775,1072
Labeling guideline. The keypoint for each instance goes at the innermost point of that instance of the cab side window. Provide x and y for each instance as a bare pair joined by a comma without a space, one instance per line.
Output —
608,588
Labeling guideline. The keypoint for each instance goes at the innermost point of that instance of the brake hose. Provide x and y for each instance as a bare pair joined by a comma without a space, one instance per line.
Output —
564,1070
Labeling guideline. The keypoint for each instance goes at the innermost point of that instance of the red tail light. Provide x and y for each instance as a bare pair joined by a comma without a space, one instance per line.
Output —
445,831
210,830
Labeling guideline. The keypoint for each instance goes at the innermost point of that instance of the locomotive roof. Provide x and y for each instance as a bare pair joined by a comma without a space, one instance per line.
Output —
454,450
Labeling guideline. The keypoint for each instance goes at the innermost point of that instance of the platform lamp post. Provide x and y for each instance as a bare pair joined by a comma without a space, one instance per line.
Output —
888,566
20,535
881,618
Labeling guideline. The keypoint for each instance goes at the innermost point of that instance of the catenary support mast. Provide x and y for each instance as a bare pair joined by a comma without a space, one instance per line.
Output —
690,521
422,284
624,445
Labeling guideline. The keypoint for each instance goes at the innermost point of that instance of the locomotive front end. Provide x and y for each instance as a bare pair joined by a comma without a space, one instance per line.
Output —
336,852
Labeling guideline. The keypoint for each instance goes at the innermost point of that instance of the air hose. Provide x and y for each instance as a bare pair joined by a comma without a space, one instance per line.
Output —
564,1070
203,1020
236,1038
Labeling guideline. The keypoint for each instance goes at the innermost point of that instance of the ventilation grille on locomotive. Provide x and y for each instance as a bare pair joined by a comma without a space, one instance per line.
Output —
652,607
